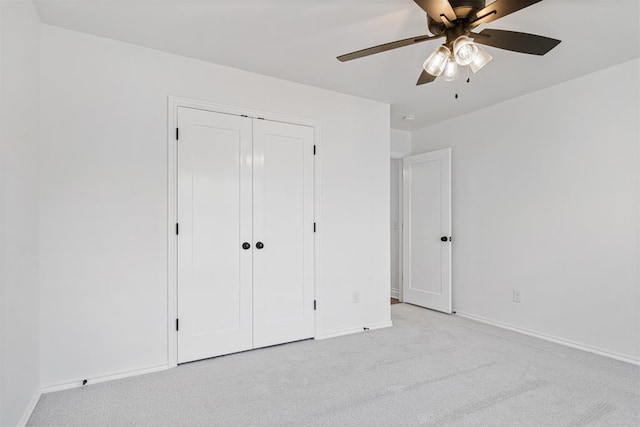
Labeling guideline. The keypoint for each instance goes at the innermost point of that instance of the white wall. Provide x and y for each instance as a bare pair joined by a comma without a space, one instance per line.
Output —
400,143
19,344
104,198
546,200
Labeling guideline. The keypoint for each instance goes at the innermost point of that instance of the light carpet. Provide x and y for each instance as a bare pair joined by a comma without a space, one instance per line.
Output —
429,369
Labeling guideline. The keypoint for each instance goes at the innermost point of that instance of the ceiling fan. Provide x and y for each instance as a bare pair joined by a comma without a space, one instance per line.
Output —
455,20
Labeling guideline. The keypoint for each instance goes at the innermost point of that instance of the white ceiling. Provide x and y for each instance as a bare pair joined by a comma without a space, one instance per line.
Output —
298,40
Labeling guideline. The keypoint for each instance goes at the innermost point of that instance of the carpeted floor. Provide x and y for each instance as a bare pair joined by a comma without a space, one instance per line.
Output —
429,369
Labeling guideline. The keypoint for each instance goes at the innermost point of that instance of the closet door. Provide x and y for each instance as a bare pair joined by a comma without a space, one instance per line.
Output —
214,215
283,233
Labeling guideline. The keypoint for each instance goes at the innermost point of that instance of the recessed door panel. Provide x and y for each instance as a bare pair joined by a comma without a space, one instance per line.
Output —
214,215
283,223
426,269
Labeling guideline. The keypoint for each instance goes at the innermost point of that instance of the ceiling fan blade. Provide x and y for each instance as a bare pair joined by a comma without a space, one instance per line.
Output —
436,8
425,78
385,47
516,42
499,9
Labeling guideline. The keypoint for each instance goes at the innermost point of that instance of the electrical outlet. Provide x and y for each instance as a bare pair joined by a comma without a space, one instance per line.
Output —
517,295
356,297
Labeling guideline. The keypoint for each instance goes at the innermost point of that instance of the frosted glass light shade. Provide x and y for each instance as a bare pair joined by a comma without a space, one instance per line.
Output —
480,60
451,71
436,62
464,50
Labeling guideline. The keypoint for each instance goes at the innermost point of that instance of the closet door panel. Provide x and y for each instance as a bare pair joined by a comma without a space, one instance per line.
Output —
283,223
214,215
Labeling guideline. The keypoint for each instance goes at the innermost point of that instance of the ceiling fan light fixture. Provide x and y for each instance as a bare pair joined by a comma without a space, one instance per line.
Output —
437,61
456,21
464,50
482,59
451,71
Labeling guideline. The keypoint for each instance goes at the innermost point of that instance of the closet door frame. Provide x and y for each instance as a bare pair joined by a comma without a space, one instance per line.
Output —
173,103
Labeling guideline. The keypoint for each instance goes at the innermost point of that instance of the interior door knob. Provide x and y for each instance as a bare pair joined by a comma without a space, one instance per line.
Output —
259,245
246,246
444,239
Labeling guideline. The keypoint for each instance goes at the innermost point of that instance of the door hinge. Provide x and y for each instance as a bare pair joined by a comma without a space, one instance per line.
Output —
177,134
177,324
314,227
314,150
315,305
177,228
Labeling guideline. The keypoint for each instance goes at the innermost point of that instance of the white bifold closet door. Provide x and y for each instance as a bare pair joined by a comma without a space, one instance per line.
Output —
243,182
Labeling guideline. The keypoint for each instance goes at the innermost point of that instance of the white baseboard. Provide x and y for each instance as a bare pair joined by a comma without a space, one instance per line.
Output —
550,338
27,412
395,293
126,374
103,378
354,330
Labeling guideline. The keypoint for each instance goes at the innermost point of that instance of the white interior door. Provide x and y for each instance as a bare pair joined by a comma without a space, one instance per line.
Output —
283,290
427,230
214,216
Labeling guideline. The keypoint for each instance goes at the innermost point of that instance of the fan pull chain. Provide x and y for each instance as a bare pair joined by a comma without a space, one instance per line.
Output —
468,81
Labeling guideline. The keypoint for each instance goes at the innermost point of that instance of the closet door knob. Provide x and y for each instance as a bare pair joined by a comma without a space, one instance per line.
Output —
259,245
246,246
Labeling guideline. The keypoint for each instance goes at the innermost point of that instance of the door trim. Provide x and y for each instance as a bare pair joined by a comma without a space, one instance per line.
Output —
396,155
173,103
400,190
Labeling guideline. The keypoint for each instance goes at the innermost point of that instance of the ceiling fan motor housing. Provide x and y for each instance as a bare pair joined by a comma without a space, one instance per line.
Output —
464,9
